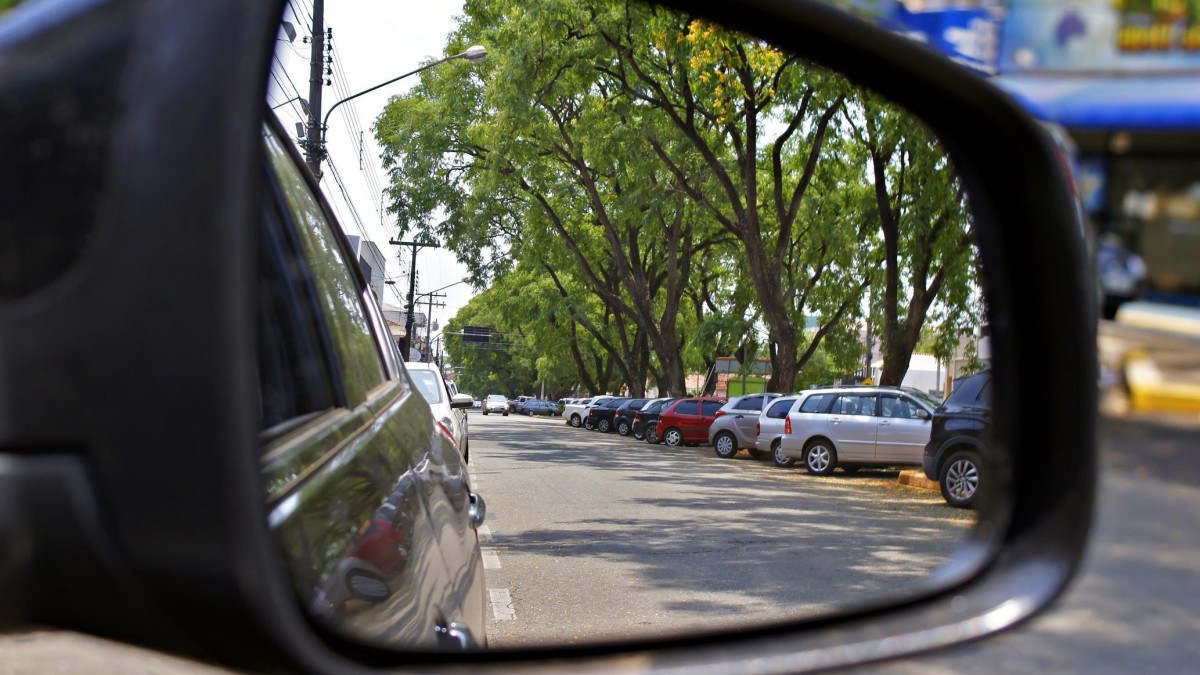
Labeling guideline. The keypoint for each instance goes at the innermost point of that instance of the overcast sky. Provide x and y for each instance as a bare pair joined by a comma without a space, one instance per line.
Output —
374,41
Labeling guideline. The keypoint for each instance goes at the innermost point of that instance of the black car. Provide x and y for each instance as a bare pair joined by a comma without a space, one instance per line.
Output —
600,415
958,439
645,419
623,417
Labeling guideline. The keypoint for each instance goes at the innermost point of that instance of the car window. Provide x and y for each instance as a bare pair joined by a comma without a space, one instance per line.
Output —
966,391
985,392
749,403
711,407
891,405
853,404
293,367
687,408
779,409
815,403
429,384
338,291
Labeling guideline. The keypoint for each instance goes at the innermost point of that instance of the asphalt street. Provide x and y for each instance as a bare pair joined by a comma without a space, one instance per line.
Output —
594,536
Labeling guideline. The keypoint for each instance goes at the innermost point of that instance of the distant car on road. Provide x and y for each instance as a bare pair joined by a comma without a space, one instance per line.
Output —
958,439
495,403
736,425
448,407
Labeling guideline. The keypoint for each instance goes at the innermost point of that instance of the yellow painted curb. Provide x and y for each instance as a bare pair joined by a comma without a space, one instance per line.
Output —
916,478
1148,392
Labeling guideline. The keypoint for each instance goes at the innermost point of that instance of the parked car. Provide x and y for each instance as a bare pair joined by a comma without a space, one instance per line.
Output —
576,410
686,421
736,425
495,403
539,408
770,427
645,421
449,408
600,415
588,421
858,426
960,428
517,405
623,417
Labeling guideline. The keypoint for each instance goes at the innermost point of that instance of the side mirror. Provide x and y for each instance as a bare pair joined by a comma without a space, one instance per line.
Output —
130,409
461,401
923,414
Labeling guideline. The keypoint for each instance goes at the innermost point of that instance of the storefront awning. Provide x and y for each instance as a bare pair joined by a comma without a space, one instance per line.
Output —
1110,103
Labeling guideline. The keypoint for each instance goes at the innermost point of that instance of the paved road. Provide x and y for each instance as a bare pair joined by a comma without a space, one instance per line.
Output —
594,536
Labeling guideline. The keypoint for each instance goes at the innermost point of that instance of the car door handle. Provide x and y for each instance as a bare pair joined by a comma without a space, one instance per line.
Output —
455,636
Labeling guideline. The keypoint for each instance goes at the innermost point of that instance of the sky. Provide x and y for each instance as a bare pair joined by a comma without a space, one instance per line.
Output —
373,41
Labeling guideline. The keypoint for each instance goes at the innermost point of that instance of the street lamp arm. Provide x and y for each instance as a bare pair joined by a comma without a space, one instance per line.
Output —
474,55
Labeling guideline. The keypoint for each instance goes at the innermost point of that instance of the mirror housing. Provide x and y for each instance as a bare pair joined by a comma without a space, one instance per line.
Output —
923,414
175,542
462,401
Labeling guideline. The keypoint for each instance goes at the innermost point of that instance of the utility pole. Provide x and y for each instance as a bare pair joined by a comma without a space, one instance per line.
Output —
412,288
429,324
313,152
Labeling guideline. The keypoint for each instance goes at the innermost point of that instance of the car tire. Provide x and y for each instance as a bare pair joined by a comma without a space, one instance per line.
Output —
589,425
603,426
652,434
673,437
505,413
575,421
725,445
781,460
623,428
820,459
760,455
484,412
959,479
639,435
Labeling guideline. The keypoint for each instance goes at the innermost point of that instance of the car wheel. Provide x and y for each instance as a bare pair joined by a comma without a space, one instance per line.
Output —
575,421
603,426
959,479
819,457
484,412
506,413
639,435
652,434
725,445
673,437
781,460
589,424
760,454
623,428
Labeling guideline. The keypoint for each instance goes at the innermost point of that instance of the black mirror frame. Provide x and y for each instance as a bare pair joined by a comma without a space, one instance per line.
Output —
171,550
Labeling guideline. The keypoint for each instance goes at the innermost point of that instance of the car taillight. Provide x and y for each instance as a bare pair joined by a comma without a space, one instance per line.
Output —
719,413
637,416
757,428
787,425
442,428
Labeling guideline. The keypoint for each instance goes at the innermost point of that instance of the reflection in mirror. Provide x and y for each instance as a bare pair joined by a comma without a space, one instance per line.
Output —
766,270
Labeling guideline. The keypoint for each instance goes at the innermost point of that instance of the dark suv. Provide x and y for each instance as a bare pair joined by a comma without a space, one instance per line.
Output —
623,417
959,438
600,415
646,420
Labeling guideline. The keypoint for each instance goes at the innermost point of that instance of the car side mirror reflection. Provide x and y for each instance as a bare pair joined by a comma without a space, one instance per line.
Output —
860,276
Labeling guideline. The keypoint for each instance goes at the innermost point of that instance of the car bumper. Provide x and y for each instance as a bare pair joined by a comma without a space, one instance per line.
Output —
929,463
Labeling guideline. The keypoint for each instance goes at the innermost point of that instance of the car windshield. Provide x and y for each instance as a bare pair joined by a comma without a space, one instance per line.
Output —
429,384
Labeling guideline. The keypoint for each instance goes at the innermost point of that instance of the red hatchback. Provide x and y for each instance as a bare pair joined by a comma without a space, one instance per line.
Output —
686,421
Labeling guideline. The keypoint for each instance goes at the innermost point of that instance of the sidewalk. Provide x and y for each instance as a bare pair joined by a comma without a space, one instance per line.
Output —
1150,360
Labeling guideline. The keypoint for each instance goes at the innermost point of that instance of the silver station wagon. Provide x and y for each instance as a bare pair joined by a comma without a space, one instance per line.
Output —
852,427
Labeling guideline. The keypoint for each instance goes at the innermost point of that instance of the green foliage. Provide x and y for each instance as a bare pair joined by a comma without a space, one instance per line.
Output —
644,191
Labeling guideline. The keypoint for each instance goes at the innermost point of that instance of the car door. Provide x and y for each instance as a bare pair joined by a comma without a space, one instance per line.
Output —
708,413
902,433
745,419
349,490
852,427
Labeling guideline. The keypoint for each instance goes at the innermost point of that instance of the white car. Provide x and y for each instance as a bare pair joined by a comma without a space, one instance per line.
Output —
576,411
449,408
495,403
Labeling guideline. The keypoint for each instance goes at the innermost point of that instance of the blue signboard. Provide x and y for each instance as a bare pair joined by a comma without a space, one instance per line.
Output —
967,35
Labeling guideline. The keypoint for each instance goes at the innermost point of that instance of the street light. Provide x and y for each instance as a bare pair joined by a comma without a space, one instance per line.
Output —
475,54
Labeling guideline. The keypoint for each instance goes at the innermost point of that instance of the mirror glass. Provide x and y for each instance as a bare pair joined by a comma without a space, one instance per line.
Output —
723,325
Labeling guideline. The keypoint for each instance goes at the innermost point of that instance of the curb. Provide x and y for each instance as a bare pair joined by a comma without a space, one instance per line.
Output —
916,478
1149,392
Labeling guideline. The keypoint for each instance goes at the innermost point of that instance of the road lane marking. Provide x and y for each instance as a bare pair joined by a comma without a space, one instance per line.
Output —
502,604
491,561
485,533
